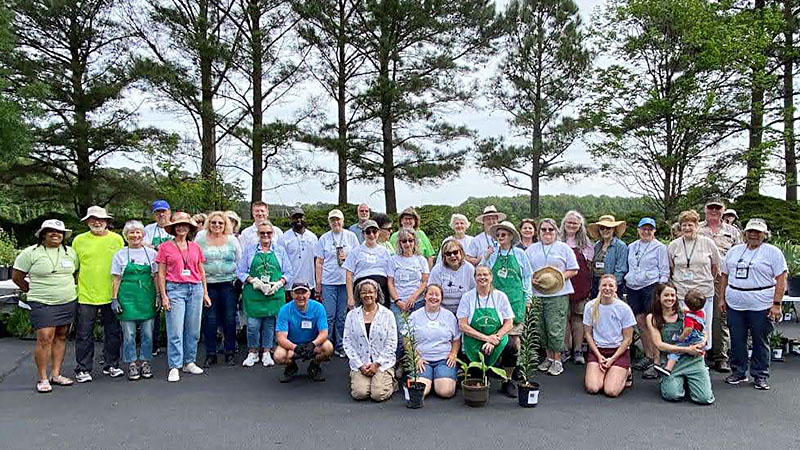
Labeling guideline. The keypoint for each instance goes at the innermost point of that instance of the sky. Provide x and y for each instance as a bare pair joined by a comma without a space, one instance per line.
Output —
471,182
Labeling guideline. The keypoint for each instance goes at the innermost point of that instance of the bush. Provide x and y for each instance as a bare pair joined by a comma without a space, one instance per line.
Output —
781,216
8,249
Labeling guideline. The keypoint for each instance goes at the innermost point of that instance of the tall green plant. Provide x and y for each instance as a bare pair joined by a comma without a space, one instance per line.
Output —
530,339
791,252
411,357
8,248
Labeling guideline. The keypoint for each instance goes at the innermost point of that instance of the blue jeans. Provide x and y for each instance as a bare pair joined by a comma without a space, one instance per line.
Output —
261,332
223,309
760,327
129,340
183,322
439,369
334,297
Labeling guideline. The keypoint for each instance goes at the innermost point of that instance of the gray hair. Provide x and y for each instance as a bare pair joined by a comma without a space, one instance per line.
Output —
264,223
374,284
581,239
455,217
130,226
552,223
405,234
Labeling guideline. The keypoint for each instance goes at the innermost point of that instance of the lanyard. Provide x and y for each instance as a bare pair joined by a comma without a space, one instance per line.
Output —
689,255
547,253
265,266
185,259
490,296
741,257
640,252
302,242
145,255
58,257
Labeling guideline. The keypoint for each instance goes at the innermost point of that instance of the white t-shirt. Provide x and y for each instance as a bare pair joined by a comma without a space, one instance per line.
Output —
479,244
748,268
435,333
497,299
332,272
249,236
407,273
300,250
558,255
141,256
611,320
465,241
364,261
154,231
454,283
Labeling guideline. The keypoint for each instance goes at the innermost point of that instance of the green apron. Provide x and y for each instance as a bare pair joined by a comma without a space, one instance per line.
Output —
256,305
137,292
508,279
158,239
486,321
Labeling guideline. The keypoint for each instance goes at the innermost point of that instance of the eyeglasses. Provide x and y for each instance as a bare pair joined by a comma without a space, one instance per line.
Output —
370,231
716,207
547,230
453,253
265,233
406,241
387,228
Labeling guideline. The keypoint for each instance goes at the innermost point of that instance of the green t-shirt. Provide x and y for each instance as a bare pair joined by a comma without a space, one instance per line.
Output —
425,247
95,254
51,273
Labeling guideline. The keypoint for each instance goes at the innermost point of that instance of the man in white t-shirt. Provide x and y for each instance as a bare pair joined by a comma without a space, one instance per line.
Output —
299,244
249,236
479,244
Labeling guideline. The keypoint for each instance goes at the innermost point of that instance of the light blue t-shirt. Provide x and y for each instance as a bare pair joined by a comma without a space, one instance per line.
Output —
221,261
302,327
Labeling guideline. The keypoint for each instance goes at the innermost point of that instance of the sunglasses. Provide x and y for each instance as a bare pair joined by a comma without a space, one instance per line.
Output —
217,222
547,230
406,241
716,207
265,233
370,231
453,253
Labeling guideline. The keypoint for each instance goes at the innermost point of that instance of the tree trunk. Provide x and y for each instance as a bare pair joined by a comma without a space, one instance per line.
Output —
258,106
755,157
80,130
788,102
208,139
387,98
341,101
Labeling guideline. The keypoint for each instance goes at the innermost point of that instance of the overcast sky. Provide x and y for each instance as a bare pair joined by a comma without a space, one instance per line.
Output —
471,181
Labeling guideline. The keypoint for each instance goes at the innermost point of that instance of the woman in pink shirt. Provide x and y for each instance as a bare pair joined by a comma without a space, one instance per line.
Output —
182,284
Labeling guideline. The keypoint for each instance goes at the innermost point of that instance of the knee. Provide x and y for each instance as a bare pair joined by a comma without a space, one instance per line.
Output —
381,393
445,390
612,392
359,392
283,356
703,399
45,339
592,388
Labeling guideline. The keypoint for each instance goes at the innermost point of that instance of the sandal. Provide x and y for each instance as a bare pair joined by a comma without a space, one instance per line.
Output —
43,387
629,379
61,380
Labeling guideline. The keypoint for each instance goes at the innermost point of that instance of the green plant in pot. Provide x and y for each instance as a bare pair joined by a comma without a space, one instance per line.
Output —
8,253
414,390
528,359
791,252
476,389
777,342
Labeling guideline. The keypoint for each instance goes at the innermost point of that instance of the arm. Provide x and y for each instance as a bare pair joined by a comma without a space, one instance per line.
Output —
18,277
621,266
351,301
588,336
627,338
318,274
115,285
723,286
206,298
570,273
162,285
776,311
655,336
465,328
420,289
664,266
455,346
395,298
243,266
322,336
283,340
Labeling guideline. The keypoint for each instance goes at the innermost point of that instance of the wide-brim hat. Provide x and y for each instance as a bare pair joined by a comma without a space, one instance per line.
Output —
491,211
410,212
178,219
730,212
607,221
508,226
756,225
549,280
53,224
97,212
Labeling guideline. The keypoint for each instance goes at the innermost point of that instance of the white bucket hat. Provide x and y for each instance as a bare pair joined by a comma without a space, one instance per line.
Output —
97,212
756,225
53,224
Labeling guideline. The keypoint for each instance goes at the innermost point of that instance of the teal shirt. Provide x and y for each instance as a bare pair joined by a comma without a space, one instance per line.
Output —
221,261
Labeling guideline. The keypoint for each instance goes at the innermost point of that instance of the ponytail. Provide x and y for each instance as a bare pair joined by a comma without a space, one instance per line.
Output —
596,305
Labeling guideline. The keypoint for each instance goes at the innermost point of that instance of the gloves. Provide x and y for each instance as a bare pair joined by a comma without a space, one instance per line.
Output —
305,352
258,284
115,306
274,287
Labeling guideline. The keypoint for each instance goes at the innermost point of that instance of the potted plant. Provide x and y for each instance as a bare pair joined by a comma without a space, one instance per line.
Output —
414,390
528,359
776,341
8,253
792,254
476,390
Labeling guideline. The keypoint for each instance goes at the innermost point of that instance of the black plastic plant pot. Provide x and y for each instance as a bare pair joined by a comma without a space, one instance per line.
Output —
476,392
793,286
528,394
415,394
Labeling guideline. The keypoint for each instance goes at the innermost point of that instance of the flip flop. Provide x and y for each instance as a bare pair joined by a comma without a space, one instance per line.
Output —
43,387
61,380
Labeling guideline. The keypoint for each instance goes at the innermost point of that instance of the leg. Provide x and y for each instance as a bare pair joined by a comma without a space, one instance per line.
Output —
737,324
760,327
323,352
708,308
209,321
721,333
359,384
128,341
594,378
444,380
672,388
428,385
329,301
397,318
268,333
381,386
191,327
283,356
177,294
614,382
59,348
341,315
555,317
649,349
253,334
146,353
577,332
43,352
699,385
84,340
157,329
111,336
226,311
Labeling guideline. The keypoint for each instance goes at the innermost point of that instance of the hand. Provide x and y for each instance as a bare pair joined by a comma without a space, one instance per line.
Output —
364,369
487,348
374,368
305,351
410,301
115,306
488,253
607,363
723,305
695,350
165,302
493,339
257,284
775,313
401,305
451,360
319,293
351,303
270,288
206,301
421,364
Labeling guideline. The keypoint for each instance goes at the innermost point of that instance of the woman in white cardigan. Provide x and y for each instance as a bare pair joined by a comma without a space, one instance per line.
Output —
370,342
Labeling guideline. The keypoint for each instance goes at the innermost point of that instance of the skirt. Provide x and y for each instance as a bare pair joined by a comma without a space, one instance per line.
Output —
623,361
46,316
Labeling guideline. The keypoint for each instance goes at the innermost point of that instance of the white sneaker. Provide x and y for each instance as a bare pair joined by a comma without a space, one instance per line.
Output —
266,359
83,377
193,369
545,364
174,375
251,359
556,368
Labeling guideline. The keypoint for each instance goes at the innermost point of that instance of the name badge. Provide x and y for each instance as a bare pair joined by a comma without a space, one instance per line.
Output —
66,263
742,272
370,258
502,273
600,264
433,324
186,272
687,276
306,325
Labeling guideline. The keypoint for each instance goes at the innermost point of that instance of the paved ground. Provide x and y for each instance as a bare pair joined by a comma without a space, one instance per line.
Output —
236,407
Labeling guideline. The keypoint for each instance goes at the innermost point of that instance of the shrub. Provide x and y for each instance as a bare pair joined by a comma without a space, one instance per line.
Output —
8,249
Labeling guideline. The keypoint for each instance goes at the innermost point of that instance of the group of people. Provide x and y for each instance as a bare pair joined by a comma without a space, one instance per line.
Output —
358,292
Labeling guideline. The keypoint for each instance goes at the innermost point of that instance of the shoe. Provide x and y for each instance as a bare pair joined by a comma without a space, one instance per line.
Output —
133,372
509,389
230,359
578,358
629,379
565,356
723,367
174,375
761,384
113,372
266,359
147,371
544,365
662,370
735,379
643,364
83,377
315,372
289,372
556,368
340,353
210,361
650,373
251,359
192,368
155,352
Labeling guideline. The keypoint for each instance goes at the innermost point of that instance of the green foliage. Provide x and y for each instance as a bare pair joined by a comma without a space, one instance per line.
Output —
8,249
781,216
776,339
530,339
481,365
19,323
791,252
411,354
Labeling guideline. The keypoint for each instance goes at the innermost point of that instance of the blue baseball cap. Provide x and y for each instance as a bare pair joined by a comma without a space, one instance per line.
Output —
646,221
159,205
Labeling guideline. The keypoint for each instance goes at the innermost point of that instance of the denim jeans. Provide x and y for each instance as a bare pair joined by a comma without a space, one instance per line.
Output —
261,332
84,337
334,297
183,322
221,312
708,309
760,327
129,340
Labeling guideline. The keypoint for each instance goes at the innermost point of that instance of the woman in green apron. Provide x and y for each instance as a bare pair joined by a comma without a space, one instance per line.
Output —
134,298
485,317
512,274
264,269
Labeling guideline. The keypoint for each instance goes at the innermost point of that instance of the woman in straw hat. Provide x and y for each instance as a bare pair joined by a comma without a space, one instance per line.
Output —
553,264
573,232
480,243
409,220
50,266
182,283
610,253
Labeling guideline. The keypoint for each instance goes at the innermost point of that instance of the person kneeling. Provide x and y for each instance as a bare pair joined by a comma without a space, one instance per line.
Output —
302,333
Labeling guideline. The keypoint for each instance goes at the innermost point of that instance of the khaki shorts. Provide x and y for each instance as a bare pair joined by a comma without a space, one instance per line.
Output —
576,307
516,331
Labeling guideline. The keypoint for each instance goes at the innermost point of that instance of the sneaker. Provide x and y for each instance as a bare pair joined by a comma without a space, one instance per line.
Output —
210,361
147,371
662,370
643,364
133,372
113,372
155,352
289,372
230,359
193,369
315,372
545,365
565,356
340,353
83,377
509,389
735,379
761,384
251,359
174,375
555,368
629,379
266,359
578,358
723,367
650,373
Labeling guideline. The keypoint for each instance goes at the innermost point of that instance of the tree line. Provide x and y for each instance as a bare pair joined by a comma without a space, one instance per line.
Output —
674,99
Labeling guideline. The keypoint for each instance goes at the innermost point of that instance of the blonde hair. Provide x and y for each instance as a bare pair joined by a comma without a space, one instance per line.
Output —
405,234
689,216
596,306
447,246
227,228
